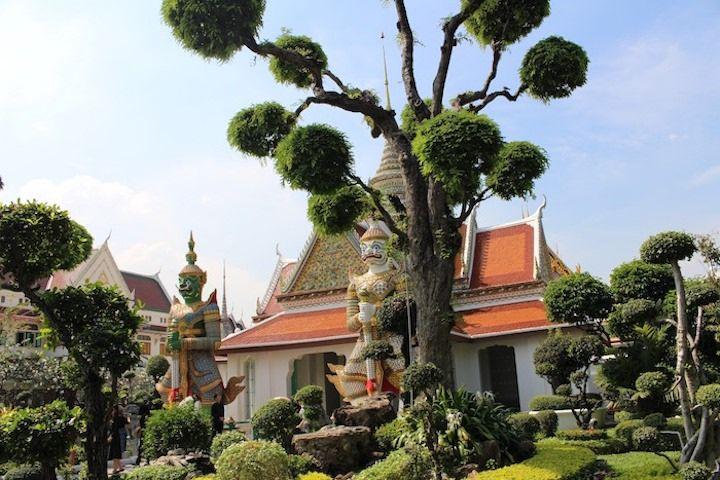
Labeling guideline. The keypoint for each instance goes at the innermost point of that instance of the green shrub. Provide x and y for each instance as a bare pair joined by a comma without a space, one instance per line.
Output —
624,430
289,73
310,395
300,464
550,402
578,434
656,420
653,383
564,390
527,425
694,471
709,395
420,377
275,421
387,435
646,439
224,440
553,461
548,422
156,366
624,415
253,460
157,472
641,466
404,464
177,427
314,476
603,446
667,247
24,472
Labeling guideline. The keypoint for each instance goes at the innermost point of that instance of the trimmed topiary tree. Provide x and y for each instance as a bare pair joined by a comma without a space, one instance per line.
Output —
253,460
276,421
548,422
223,441
525,424
452,158
257,130
310,397
156,367
177,427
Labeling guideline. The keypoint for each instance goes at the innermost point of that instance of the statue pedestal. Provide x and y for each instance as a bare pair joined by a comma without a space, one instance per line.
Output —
338,449
368,412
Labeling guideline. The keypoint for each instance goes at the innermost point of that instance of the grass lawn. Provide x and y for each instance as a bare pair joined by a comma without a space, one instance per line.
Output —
641,466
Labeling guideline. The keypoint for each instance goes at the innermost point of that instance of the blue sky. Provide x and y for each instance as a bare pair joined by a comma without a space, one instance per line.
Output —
102,112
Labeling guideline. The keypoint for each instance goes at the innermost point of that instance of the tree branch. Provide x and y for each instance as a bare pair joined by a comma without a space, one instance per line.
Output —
408,73
469,97
377,201
335,79
449,41
505,92
468,207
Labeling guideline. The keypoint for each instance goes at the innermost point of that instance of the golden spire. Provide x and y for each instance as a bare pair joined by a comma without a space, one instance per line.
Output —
191,256
387,84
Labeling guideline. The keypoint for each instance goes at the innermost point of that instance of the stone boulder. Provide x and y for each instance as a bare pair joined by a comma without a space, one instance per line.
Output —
198,462
337,449
369,412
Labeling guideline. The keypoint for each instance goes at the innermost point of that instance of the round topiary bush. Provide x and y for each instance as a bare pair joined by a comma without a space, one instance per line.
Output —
455,148
694,471
301,464
656,420
577,298
316,158
176,427
24,472
525,424
517,166
421,377
276,420
310,395
548,422
667,247
213,29
221,442
157,472
553,68
709,395
156,367
646,439
257,130
253,460
653,383
505,21
337,212
286,72
624,430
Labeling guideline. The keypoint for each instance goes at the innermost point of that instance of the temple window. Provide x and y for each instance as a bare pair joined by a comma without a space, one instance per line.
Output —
144,341
28,336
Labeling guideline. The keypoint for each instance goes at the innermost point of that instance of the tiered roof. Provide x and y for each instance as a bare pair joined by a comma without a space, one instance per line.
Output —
501,272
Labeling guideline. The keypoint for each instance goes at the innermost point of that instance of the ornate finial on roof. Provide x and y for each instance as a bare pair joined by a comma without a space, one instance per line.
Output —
277,251
191,256
387,84
108,237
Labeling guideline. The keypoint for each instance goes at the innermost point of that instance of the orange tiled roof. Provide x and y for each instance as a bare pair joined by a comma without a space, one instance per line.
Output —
290,328
503,256
503,319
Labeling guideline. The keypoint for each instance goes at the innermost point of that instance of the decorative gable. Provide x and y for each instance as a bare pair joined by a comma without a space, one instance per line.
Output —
326,265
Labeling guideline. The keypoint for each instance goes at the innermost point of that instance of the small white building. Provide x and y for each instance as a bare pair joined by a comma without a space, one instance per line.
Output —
145,290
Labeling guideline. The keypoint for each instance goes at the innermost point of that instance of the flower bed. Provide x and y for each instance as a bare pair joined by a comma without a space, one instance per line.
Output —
553,461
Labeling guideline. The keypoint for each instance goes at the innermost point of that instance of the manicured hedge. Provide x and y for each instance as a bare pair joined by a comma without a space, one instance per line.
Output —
550,402
641,466
554,460
579,434
157,472
604,446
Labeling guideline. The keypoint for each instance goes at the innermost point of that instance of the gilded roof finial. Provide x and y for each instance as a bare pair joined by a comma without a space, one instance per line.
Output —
387,84
191,256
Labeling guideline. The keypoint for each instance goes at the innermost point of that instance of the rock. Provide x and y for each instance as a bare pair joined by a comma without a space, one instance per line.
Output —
339,449
369,412
198,462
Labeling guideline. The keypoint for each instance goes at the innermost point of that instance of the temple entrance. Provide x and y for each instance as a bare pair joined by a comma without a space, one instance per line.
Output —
312,369
498,374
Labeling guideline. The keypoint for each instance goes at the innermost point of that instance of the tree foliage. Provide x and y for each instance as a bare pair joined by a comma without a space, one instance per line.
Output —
578,298
38,239
455,148
640,280
316,158
213,28
505,21
29,378
667,247
156,367
337,212
287,72
257,130
552,361
553,68
517,167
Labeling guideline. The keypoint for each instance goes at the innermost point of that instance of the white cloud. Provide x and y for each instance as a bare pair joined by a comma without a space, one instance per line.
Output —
707,176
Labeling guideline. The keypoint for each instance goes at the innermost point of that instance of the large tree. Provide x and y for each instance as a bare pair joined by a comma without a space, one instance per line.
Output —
452,157
94,321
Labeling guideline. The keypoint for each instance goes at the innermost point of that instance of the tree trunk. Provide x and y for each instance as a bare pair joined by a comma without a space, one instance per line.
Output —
96,445
47,471
681,346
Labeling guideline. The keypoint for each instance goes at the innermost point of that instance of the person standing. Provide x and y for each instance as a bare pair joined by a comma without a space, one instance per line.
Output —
117,425
218,414
143,412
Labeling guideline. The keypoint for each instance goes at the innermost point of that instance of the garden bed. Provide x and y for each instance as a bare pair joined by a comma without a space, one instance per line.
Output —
641,466
553,461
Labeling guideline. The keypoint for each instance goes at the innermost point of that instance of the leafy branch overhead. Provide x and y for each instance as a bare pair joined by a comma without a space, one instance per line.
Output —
455,150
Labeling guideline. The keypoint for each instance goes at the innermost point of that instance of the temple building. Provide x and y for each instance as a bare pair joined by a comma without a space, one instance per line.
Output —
146,291
300,323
